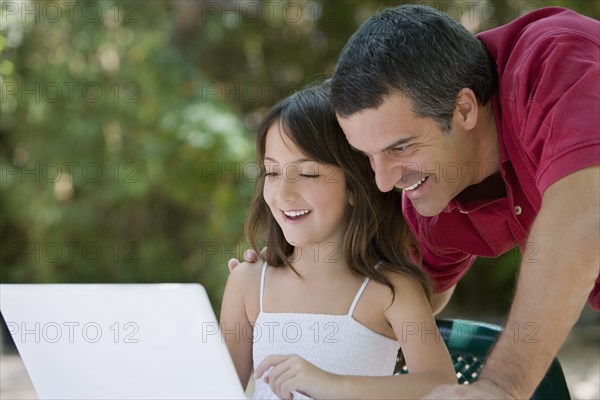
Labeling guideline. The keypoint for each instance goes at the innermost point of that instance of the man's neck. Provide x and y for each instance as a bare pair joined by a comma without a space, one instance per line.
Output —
488,149
491,188
487,183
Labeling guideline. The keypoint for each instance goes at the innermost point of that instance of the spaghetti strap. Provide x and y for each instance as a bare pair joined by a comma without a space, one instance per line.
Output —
362,287
262,284
359,293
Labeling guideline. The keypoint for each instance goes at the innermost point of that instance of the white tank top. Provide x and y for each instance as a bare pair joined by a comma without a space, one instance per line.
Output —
335,343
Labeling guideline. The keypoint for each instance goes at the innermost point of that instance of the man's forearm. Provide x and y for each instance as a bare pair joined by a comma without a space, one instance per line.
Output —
533,335
554,282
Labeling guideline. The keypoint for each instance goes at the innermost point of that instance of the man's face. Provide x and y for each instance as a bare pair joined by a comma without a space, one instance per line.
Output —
412,153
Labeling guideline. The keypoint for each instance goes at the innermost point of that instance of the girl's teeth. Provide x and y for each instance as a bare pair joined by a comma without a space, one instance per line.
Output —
416,185
295,213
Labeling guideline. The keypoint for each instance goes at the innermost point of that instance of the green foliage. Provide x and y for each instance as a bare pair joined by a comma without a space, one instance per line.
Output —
103,152
126,130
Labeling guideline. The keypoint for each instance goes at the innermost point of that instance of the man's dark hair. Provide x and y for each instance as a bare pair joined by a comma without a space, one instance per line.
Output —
414,51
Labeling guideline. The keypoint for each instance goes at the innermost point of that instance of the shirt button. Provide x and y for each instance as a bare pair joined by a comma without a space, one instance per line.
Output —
518,210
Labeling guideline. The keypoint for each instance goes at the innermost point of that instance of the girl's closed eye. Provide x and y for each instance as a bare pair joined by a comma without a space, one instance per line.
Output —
269,171
311,170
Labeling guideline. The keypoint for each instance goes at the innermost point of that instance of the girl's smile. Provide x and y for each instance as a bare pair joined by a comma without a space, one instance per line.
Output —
295,216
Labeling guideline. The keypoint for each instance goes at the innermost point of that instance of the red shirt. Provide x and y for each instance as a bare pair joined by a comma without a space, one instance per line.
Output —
547,113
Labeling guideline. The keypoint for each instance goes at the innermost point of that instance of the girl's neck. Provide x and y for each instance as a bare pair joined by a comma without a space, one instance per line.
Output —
320,260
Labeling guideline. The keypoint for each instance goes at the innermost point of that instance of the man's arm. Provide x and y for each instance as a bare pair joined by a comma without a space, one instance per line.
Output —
554,283
555,280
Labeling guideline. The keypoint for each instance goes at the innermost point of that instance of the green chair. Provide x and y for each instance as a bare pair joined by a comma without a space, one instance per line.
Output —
469,342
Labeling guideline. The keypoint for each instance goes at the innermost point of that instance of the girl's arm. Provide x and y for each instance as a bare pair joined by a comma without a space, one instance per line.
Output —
234,321
424,350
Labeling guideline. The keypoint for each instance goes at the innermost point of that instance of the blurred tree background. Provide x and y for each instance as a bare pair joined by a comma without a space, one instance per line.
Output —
126,131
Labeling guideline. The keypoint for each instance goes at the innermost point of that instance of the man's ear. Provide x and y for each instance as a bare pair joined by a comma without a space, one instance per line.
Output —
467,109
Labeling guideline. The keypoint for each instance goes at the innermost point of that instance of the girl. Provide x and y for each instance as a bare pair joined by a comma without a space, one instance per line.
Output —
326,313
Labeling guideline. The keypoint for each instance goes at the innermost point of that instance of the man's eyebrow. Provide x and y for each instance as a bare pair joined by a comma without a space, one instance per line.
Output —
390,147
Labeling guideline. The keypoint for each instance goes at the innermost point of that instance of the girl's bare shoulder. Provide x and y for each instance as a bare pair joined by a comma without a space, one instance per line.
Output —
400,281
245,281
248,270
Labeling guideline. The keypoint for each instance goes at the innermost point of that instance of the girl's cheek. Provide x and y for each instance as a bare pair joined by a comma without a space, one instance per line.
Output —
268,192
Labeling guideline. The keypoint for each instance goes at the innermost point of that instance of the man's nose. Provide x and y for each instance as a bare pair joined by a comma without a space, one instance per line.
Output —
385,173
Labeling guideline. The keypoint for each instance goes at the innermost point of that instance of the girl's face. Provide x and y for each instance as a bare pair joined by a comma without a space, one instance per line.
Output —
307,198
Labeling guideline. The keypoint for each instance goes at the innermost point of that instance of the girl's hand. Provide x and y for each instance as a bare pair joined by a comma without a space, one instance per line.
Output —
293,373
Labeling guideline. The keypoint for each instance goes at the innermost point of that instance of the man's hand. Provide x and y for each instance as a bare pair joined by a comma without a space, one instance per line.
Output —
249,256
289,373
482,389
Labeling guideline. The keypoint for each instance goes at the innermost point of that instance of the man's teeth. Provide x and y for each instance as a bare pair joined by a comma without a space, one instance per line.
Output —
416,185
296,213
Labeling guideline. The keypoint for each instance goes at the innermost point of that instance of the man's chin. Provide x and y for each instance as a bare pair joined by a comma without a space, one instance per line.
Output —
428,210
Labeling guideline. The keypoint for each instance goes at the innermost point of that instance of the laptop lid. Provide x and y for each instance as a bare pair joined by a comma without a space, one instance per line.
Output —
123,341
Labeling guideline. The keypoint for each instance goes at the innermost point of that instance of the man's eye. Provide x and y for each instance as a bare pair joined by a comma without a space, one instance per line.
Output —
309,176
400,149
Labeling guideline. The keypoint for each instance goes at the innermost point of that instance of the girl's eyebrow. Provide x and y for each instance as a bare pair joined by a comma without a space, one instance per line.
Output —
300,160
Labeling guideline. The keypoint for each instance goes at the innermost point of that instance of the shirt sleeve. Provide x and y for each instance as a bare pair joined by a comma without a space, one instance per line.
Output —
445,270
557,104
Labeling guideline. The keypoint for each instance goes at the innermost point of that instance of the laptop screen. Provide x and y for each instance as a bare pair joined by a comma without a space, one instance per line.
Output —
100,341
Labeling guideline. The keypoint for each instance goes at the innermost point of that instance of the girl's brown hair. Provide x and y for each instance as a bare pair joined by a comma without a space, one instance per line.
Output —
376,231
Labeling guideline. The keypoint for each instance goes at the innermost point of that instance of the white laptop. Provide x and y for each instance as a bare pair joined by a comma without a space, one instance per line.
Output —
100,341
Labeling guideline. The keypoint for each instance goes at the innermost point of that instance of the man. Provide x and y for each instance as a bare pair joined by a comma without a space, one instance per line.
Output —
494,142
